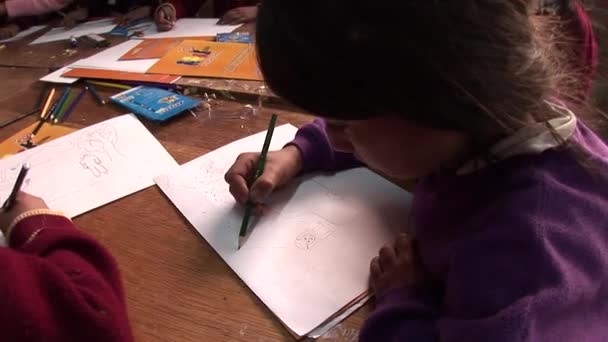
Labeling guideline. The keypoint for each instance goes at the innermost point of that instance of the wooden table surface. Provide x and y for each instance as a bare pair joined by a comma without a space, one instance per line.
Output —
177,287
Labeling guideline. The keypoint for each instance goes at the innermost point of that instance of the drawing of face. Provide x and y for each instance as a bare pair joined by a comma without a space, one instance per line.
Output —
306,240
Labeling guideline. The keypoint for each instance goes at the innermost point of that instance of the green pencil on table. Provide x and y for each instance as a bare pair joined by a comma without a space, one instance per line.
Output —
259,169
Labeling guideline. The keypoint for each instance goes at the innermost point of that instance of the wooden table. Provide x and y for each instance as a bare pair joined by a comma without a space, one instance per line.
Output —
178,288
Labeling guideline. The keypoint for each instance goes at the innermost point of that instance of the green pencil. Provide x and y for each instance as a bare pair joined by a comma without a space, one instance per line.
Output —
63,106
259,169
110,85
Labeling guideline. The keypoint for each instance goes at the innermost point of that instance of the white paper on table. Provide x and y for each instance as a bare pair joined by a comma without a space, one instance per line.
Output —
24,33
308,256
323,329
190,27
91,167
108,59
91,27
55,77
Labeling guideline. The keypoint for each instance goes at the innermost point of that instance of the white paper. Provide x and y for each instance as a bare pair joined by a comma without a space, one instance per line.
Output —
91,27
24,33
91,167
190,27
308,256
323,329
55,77
108,59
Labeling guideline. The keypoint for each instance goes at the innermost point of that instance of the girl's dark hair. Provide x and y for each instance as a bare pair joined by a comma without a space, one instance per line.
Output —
471,65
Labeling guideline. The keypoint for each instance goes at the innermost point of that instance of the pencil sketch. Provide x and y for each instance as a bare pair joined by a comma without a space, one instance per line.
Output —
217,193
315,230
98,148
205,173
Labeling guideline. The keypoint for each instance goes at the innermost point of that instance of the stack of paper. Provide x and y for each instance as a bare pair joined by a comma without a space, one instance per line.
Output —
308,257
24,33
91,27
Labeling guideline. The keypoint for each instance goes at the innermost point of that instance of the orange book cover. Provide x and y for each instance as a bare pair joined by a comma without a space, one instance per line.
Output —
47,133
156,48
210,59
120,75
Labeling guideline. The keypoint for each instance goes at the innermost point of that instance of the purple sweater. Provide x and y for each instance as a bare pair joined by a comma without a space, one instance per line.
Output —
519,249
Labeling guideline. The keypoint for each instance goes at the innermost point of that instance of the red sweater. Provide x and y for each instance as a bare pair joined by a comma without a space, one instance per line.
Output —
59,284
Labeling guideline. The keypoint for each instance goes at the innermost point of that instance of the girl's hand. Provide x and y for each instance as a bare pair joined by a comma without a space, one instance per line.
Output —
239,15
24,202
165,17
397,265
135,14
281,167
9,31
72,18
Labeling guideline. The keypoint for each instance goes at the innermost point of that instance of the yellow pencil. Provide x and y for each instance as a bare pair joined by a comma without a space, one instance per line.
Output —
110,85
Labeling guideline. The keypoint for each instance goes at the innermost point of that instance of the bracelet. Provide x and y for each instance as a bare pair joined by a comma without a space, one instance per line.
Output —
25,215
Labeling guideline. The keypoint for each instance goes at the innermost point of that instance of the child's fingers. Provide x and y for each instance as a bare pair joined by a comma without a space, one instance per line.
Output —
374,268
387,257
403,245
169,14
238,188
228,18
263,186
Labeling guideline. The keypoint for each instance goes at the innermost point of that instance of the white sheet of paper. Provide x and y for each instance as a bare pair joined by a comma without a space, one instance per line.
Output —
308,256
91,167
24,33
190,27
91,27
108,59
55,77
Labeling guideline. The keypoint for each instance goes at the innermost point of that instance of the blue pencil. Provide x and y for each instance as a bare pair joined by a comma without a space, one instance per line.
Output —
74,103
95,93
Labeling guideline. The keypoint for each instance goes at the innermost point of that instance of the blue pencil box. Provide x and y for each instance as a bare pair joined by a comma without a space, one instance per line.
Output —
154,103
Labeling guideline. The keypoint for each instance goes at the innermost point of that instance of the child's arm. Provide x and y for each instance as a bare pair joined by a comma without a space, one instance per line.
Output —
317,152
168,12
22,8
57,283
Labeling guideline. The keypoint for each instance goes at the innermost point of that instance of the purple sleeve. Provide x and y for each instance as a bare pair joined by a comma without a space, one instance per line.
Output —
402,314
317,152
508,283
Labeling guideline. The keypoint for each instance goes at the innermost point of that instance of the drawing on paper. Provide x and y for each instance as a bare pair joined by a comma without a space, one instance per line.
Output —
206,173
98,148
316,229
217,193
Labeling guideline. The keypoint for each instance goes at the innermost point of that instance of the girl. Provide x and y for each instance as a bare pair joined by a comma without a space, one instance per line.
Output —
57,283
470,98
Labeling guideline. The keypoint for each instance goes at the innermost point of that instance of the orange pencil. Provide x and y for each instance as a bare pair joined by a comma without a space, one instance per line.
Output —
47,104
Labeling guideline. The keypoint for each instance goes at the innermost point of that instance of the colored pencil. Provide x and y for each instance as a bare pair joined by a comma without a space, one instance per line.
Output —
259,169
110,85
62,106
56,109
95,93
74,103
47,104
10,201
